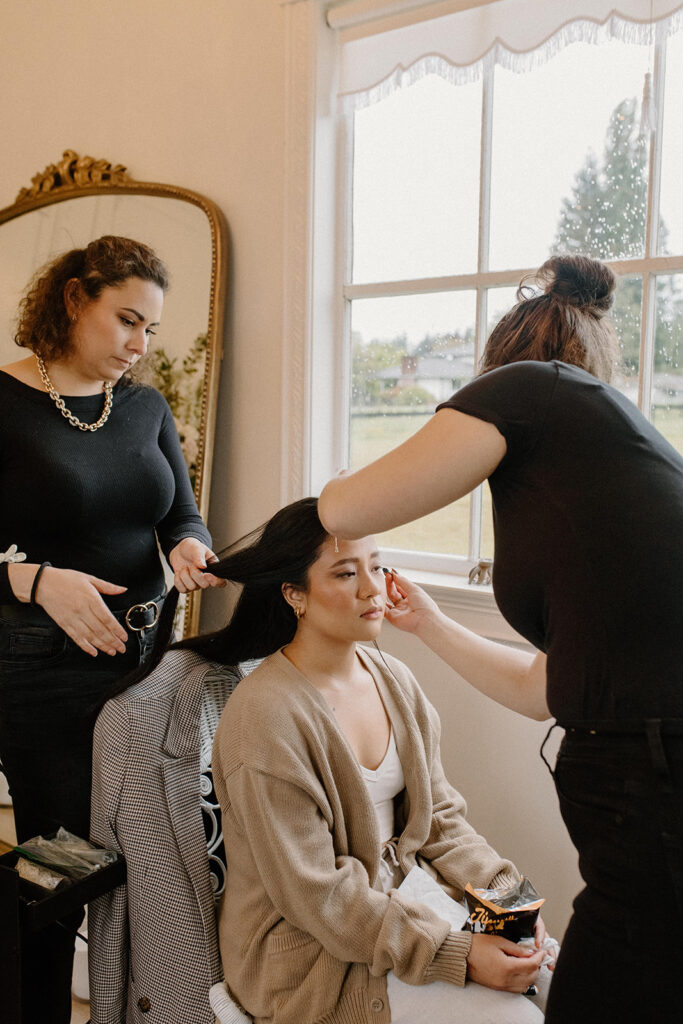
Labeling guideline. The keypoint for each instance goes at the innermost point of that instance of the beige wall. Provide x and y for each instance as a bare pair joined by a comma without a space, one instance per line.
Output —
193,94
187,93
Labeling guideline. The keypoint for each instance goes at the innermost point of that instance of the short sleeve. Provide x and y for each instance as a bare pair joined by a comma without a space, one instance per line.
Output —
514,398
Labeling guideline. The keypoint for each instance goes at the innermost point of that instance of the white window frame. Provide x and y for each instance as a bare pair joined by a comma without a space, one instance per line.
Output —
316,353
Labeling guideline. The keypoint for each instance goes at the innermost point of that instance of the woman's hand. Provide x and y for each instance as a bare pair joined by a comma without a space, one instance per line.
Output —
72,599
514,678
188,561
540,933
501,964
409,605
542,941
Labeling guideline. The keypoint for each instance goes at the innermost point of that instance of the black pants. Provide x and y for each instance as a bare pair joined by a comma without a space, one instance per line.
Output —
621,798
48,688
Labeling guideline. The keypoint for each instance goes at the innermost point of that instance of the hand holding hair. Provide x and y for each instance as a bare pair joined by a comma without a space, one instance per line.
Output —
189,559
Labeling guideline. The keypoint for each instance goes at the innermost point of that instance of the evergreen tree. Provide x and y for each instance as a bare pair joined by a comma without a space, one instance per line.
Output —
605,217
581,215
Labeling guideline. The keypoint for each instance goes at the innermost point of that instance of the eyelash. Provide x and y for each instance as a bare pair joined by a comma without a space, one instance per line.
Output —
131,323
347,575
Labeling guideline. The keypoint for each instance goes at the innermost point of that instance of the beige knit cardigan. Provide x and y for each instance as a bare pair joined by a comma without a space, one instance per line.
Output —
306,934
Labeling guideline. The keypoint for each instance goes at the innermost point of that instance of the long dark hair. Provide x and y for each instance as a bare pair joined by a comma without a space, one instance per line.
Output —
262,622
566,321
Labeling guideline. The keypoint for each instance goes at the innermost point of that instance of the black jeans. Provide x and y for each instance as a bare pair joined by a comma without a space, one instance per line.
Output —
621,797
48,690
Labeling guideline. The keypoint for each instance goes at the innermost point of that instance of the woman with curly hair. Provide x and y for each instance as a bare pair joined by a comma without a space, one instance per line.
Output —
93,481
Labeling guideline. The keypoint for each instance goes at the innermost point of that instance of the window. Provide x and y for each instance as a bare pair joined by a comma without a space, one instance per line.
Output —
460,184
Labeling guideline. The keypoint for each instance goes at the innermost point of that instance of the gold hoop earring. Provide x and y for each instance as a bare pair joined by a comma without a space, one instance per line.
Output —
298,612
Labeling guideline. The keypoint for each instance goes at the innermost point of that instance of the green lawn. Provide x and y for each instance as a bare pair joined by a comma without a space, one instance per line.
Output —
670,423
447,531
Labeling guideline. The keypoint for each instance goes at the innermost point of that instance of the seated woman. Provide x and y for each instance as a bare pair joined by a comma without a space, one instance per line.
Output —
326,764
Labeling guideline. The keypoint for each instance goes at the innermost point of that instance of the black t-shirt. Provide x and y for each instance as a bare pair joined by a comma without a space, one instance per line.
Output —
94,501
588,516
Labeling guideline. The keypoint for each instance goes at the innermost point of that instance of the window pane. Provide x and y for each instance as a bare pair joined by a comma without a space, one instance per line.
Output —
499,301
568,169
667,379
626,317
408,354
487,544
416,183
671,205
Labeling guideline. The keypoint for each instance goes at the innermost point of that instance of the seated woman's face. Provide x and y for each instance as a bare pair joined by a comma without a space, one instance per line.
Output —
346,595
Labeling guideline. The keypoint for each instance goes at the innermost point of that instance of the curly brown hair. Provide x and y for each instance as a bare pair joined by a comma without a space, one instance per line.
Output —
43,321
567,321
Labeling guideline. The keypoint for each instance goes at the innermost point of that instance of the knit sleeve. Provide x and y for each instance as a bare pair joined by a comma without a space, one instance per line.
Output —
183,518
454,848
329,896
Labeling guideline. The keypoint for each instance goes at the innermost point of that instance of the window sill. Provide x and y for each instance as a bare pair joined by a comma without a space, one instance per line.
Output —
471,604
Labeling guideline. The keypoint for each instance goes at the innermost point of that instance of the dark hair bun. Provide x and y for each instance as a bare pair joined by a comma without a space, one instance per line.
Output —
579,281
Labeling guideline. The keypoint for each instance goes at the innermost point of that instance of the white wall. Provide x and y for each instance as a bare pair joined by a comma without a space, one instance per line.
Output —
193,94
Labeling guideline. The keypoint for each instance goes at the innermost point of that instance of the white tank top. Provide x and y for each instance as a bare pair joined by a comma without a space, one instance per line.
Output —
384,783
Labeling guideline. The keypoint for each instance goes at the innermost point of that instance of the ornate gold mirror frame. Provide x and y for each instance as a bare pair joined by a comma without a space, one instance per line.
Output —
81,198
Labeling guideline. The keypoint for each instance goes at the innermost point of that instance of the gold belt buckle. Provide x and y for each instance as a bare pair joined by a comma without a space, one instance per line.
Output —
142,608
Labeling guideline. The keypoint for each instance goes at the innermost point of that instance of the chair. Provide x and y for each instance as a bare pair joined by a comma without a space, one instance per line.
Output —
153,802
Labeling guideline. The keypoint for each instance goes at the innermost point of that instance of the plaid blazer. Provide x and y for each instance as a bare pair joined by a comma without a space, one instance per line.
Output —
153,947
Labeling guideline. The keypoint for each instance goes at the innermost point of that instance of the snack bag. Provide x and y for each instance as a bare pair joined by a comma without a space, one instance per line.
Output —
510,913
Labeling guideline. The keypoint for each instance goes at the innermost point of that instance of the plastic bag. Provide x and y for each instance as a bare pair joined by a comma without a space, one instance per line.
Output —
510,913
68,854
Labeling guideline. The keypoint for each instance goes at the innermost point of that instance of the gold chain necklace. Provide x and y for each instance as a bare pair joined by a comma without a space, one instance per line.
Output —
59,401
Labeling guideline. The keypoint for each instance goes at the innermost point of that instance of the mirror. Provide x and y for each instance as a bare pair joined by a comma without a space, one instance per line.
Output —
81,198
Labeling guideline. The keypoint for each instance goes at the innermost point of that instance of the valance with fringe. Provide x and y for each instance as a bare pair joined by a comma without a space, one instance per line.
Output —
517,34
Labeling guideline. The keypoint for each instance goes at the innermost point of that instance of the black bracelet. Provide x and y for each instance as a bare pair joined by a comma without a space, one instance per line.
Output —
36,579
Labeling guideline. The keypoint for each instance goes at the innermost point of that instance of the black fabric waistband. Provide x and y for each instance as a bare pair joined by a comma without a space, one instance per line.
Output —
142,614
624,727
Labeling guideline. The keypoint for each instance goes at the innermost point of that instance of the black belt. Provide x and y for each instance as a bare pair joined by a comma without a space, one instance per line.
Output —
141,616
625,727
138,617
